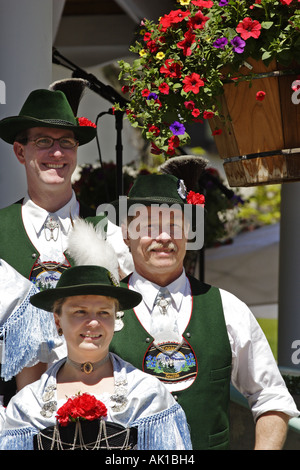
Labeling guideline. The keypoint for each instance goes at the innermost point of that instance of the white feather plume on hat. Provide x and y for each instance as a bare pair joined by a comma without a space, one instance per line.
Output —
87,245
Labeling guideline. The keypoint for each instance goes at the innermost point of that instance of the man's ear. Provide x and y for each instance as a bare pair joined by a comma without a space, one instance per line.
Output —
56,320
126,239
19,152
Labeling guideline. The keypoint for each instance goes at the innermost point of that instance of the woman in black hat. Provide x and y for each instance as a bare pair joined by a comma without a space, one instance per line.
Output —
91,382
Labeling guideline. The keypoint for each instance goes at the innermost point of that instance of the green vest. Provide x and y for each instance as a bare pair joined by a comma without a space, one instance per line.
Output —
15,246
206,401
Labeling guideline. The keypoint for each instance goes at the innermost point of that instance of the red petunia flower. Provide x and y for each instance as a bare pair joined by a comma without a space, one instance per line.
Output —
286,2
203,3
174,141
249,28
164,88
154,129
260,95
195,198
171,69
189,104
85,407
152,46
145,92
217,132
147,36
82,121
185,44
170,151
208,114
174,17
192,83
198,21
154,149
196,112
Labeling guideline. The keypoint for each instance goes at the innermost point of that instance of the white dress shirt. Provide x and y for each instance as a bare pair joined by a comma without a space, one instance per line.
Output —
34,218
254,370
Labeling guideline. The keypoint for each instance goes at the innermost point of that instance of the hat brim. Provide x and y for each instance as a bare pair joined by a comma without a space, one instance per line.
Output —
126,297
10,127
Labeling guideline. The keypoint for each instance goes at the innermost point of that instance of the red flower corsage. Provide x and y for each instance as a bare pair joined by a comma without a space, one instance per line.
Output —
85,407
82,121
195,198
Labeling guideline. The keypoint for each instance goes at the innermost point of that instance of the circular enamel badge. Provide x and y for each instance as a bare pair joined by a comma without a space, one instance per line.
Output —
47,275
170,364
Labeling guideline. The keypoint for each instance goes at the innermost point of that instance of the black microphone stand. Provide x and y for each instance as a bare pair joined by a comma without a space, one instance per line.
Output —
110,94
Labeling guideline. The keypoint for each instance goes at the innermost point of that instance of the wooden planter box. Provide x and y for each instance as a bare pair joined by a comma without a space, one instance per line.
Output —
261,143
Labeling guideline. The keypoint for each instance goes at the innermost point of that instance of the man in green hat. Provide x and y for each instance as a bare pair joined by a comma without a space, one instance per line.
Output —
33,231
45,138
194,337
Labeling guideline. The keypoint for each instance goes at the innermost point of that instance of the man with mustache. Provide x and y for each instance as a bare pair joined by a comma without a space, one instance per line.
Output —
196,338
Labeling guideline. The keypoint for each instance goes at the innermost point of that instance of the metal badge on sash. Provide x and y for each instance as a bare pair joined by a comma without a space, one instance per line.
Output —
170,362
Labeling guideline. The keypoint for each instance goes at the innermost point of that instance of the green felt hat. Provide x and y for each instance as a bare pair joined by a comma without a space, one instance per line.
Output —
153,189
156,189
86,280
45,108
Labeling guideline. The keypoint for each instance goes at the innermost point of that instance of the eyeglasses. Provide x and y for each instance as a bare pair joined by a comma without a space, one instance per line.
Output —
48,142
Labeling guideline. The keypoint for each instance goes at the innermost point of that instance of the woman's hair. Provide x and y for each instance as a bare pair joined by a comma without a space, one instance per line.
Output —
57,306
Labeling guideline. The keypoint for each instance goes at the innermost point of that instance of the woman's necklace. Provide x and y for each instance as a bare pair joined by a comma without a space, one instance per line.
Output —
88,367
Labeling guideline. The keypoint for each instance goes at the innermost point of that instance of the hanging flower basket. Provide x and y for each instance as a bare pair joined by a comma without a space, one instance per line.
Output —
186,71
260,143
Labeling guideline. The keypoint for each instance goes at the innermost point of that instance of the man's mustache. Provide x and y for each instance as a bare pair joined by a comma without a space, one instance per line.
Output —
158,246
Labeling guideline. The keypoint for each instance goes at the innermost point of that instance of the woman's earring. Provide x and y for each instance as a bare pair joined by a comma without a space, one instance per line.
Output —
60,332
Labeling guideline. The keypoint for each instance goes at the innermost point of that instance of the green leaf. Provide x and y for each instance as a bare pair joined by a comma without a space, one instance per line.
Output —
266,55
267,24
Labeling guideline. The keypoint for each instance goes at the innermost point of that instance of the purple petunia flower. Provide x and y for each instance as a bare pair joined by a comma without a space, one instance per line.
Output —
220,43
222,3
177,128
238,44
152,96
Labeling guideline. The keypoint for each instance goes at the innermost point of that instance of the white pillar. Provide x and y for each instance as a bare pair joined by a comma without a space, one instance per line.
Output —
25,64
289,278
